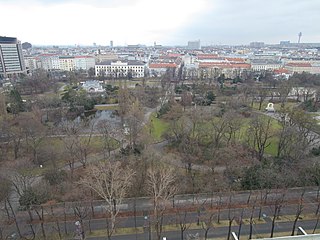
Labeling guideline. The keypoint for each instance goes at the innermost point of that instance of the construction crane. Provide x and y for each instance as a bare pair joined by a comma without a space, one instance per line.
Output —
299,36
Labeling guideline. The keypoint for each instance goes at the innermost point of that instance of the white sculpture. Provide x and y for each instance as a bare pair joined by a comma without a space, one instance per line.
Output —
270,108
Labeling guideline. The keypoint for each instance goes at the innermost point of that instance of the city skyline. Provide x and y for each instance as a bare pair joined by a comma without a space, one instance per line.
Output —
215,22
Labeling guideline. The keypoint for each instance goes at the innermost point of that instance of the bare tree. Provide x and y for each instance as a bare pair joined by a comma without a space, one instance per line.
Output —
77,142
111,182
296,134
234,124
81,211
298,212
186,99
278,204
134,122
231,216
261,93
124,100
260,134
35,133
109,132
284,90
219,128
161,188
182,220
251,221
207,222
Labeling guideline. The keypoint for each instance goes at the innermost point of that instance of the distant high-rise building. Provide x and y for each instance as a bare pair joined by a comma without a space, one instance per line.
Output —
94,44
111,44
195,45
284,43
11,57
257,44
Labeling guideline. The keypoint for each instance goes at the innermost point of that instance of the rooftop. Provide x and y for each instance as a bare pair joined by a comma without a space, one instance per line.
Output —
129,63
8,40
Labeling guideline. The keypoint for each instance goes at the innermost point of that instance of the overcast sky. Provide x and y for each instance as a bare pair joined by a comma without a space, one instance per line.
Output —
168,22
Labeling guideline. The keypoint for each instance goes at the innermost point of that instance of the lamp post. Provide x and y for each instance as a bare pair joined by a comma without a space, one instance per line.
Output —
147,225
79,230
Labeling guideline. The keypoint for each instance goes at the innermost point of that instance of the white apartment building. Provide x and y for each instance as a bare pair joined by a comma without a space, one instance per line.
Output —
118,69
265,64
49,62
31,63
66,63
84,62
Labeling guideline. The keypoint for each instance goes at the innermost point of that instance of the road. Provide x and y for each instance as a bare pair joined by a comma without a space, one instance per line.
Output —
238,205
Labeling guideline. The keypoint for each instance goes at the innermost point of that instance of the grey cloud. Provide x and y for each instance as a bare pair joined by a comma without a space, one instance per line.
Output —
97,3
251,20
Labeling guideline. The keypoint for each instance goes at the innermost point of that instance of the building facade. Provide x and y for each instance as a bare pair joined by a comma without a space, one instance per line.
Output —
120,69
31,63
66,63
11,57
49,62
265,64
84,62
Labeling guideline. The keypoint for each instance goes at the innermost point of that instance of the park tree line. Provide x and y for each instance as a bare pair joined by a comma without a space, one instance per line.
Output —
225,135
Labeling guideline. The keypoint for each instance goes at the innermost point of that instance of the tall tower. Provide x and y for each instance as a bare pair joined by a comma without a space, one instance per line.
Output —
299,36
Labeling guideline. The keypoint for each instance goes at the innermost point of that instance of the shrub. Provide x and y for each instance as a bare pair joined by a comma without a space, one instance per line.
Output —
55,177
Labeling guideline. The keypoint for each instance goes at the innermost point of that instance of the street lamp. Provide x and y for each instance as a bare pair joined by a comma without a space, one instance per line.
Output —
79,230
148,225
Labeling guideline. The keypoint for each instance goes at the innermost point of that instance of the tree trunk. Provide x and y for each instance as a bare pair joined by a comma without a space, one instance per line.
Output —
316,226
181,234
14,218
65,219
206,234
240,223
229,228
294,226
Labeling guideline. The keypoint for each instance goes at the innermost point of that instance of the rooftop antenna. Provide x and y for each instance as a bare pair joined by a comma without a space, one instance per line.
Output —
299,35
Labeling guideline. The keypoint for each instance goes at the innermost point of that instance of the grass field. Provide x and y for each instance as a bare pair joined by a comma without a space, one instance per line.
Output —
277,106
272,149
158,127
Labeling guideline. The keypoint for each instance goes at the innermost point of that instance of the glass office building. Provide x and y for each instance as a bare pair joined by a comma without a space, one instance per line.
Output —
11,57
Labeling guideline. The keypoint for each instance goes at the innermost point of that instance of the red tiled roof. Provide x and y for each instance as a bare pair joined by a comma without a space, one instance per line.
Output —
174,55
235,59
207,56
298,65
225,65
162,65
170,56
281,70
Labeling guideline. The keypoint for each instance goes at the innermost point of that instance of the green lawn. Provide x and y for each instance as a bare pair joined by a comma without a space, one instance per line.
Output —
158,127
272,149
277,106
